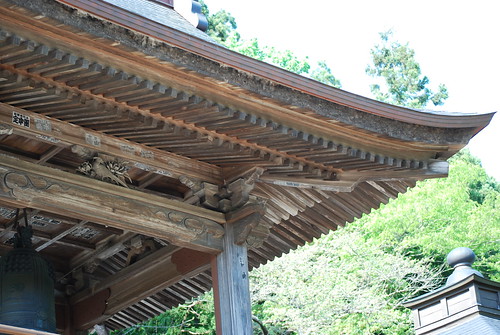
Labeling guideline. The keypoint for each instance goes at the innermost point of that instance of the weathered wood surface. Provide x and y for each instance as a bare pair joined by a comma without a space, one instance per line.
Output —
231,287
136,282
65,134
250,229
30,185
145,104
266,122
348,180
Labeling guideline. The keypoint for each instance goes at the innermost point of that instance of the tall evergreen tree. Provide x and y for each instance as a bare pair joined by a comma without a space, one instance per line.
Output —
404,83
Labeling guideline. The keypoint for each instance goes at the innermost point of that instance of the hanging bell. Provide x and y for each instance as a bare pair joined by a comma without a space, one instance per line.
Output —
26,287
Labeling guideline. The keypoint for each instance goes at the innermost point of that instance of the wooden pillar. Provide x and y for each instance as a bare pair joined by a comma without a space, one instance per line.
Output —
244,228
231,287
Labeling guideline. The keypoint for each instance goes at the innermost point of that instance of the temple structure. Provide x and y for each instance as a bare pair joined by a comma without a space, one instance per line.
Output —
154,164
467,304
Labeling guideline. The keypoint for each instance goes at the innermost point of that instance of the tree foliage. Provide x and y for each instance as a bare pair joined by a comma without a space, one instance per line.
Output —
441,214
194,317
395,63
222,28
221,25
354,280
341,284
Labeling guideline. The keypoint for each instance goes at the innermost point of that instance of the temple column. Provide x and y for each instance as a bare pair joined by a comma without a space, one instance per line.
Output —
231,288
230,270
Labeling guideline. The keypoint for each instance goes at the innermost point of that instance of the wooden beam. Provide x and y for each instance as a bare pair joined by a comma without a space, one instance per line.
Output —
249,228
136,282
61,235
63,133
26,184
325,185
348,180
49,154
110,248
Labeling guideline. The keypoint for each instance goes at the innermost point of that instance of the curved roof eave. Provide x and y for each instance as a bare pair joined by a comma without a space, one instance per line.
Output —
229,58
246,77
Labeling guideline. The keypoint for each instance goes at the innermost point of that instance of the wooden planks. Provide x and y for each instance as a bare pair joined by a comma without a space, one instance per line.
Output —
231,287
62,133
26,184
133,284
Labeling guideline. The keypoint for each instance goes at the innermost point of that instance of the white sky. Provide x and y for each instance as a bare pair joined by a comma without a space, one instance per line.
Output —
457,43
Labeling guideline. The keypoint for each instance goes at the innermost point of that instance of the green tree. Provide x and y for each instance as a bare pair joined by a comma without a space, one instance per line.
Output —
323,74
194,317
441,214
221,25
222,28
395,63
341,284
354,280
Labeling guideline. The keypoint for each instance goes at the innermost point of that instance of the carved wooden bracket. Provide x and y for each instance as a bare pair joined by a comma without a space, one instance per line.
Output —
201,193
140,247
225,198
248,226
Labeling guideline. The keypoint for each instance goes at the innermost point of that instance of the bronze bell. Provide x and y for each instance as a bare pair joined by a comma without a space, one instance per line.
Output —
26,287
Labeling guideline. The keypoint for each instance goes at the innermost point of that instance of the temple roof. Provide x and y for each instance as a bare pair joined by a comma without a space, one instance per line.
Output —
201,131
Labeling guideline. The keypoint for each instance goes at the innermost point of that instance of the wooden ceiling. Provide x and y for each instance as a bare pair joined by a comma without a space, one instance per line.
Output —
196,148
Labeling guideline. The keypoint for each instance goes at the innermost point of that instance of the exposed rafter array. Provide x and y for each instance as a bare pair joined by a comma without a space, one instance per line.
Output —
201,138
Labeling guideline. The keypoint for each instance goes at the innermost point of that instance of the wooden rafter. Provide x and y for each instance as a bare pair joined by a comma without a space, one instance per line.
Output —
192,121
62,133
347,181
155,272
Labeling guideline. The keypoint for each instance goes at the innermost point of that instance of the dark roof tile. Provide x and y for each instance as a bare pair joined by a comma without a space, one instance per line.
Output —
161,14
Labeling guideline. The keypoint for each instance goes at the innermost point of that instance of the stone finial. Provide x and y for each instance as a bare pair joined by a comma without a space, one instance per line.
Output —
461,260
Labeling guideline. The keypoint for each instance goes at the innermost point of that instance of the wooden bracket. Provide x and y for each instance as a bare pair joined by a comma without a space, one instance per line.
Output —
201,193
140,247
249,229
225,198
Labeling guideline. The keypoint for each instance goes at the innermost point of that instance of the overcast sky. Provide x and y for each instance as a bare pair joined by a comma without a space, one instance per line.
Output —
457,43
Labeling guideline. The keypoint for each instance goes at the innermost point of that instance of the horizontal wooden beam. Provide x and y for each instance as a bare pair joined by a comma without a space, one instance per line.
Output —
325,185
348,180
47,129
136,282
26,184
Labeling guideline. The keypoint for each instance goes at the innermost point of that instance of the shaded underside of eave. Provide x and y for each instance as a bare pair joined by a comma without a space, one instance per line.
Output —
298,216
295,223
229,58
205,58
63,86
221,122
